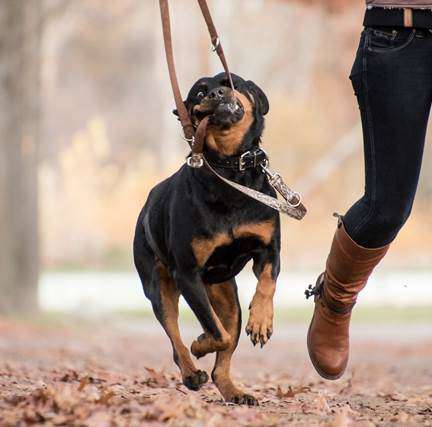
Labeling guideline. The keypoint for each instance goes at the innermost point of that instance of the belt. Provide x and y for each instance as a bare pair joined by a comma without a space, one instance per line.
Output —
409,18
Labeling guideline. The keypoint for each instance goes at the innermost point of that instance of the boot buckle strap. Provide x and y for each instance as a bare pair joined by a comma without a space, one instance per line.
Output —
318,292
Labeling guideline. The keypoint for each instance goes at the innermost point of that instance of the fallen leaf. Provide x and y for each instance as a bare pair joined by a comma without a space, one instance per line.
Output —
319,405
348,388
291,392
397,397
156,379
105,397
84,381
69,376
402,417
180,390
343,417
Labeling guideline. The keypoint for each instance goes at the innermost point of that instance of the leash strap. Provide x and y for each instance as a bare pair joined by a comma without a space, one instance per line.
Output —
291,205
184,117
217,47
185,120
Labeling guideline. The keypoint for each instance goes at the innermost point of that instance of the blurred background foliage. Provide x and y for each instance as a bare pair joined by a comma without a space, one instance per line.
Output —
105,134
109,136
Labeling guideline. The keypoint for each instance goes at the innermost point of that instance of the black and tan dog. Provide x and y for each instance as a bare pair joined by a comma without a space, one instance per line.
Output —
195,234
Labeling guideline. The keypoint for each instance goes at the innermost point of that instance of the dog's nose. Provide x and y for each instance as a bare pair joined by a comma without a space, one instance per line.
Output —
219,93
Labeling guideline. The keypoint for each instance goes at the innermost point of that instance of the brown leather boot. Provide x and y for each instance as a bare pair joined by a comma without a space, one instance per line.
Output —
347,271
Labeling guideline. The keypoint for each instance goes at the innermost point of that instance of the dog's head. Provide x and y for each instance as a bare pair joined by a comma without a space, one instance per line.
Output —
236,118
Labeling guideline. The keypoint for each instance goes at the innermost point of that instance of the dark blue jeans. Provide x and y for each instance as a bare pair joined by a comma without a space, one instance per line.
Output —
392,79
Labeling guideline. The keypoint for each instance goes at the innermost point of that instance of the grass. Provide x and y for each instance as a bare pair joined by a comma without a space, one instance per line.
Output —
365,315
295,315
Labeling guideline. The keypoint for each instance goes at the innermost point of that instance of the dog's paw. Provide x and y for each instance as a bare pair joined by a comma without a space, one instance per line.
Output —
205,344
198,347
244,399
196,380
260,325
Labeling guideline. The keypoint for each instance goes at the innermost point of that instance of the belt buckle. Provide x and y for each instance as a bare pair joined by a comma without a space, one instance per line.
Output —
242,161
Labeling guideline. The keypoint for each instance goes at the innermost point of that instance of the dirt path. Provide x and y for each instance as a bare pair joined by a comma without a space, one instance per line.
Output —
94,375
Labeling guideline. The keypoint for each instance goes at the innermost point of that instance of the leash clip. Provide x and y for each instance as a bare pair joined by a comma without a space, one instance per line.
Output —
195,161
276,181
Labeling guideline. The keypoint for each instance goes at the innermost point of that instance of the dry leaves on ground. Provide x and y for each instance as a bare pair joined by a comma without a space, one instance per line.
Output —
59,378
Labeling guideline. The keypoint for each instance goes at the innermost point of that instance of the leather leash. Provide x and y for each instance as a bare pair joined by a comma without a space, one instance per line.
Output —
291,205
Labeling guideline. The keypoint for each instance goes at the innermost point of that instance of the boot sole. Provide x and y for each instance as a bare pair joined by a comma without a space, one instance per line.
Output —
315,364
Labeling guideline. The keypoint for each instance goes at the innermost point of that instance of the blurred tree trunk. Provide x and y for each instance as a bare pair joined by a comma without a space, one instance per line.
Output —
20,31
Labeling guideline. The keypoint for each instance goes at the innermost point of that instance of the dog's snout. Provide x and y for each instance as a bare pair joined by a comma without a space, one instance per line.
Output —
218,93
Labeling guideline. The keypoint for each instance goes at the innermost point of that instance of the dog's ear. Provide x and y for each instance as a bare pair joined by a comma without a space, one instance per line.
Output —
259,96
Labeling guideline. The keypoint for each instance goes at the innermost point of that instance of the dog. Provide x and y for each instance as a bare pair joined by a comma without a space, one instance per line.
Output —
195,234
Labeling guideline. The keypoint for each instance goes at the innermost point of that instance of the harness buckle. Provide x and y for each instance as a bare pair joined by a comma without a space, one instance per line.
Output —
195,161
242,161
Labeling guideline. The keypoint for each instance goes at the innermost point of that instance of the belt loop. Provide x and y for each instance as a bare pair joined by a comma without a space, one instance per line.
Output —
408,17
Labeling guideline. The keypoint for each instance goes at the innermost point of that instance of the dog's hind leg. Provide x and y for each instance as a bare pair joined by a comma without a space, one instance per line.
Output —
215,338
166,310
224,299
161,290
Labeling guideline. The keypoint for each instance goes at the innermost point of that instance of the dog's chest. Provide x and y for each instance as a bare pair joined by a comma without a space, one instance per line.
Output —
235,240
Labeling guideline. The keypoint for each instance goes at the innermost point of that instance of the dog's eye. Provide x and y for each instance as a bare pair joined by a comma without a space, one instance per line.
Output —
200,94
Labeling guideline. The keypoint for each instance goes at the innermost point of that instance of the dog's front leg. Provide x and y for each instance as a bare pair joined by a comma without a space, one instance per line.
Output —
260,325
215,338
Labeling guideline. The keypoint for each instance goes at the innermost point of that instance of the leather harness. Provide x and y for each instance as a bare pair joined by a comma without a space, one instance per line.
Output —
291,205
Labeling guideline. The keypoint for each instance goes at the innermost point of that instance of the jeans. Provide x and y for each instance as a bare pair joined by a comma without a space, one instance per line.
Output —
392,79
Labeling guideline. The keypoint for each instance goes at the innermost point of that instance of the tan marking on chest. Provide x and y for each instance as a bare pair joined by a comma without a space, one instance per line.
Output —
203,248
227,142
263,230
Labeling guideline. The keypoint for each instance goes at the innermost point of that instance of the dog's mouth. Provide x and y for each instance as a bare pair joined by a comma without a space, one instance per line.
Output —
224,113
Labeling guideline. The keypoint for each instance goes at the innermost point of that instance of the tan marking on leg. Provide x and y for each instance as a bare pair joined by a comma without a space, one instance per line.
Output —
207,344
169,299
203,248
227,142
223,298
263,230
260,325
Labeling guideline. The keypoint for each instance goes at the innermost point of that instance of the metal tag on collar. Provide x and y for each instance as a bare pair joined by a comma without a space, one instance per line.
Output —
242,161
195,161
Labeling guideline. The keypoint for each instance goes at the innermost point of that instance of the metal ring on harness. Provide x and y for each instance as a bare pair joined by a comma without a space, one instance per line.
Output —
190,141
195,161
215,45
